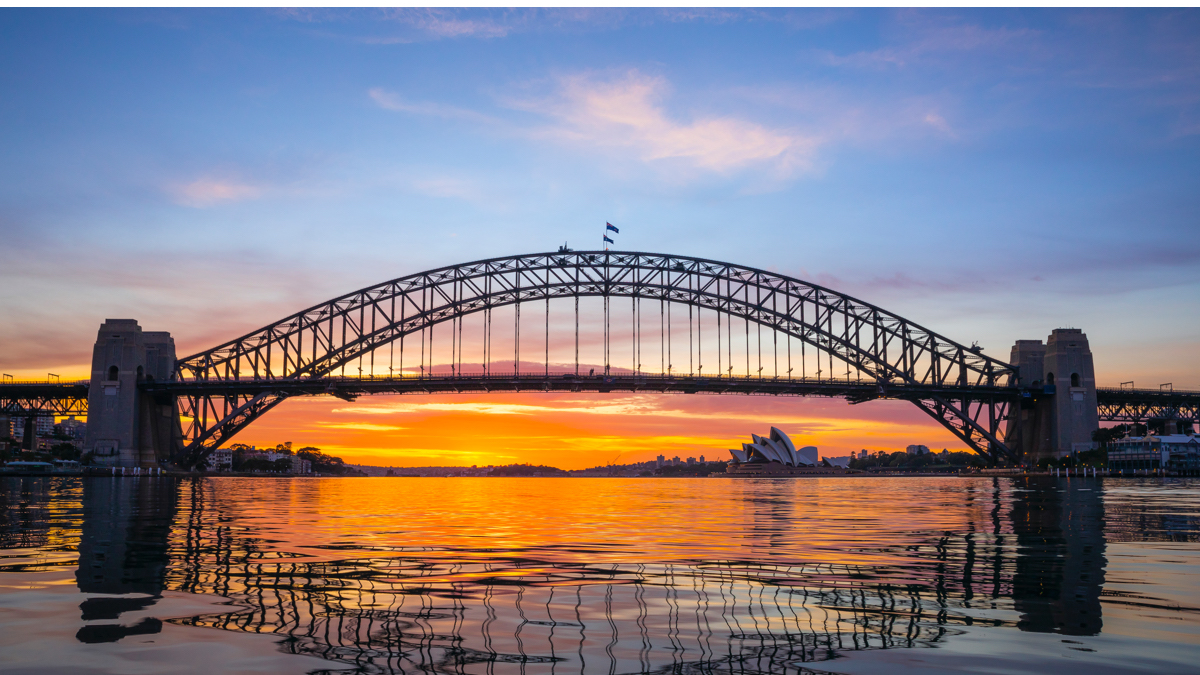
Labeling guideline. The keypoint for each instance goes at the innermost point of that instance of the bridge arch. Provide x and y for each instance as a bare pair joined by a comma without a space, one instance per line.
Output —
956,385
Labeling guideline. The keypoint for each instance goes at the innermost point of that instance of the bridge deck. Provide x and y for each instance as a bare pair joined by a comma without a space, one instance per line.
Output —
44,398
531,382
70,398
1139,405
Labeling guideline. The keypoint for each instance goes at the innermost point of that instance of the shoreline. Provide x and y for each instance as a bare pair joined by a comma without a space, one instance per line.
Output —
984,474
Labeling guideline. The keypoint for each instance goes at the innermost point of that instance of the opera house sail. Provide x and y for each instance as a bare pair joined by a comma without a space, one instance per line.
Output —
775,454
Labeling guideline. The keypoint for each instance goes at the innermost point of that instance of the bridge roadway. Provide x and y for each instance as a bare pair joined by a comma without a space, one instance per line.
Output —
44,398
351,387
1115,405
1139,405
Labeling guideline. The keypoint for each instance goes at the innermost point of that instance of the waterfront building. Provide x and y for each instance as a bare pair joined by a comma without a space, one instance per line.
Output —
660,461
221,459
295,463
917,450
1174,452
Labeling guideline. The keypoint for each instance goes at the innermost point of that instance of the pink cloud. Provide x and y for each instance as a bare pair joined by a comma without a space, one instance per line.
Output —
207,192
627,113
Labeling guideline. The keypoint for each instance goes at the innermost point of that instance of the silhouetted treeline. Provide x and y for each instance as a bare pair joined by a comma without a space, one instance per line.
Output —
526,470
903,460
694,470
243,460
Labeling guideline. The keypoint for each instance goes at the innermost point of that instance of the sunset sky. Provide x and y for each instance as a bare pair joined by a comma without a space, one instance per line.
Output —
992,175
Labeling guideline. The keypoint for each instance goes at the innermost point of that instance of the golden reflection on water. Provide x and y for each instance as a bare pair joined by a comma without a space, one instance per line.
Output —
528,575
838,521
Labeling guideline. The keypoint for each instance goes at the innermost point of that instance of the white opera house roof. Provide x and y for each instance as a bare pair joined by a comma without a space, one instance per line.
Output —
775,448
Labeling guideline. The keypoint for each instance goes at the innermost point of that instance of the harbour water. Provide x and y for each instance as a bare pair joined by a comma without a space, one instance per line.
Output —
572,575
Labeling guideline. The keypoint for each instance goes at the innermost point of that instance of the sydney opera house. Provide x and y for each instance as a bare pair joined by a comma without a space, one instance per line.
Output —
774,454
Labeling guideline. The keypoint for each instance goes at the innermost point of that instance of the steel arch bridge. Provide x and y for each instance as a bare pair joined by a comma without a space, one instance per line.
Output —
882,355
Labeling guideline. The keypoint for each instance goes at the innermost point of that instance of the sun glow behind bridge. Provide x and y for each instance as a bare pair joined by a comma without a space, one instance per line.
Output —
576,431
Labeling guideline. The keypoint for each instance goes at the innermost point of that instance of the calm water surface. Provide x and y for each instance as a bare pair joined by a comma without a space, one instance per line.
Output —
547,575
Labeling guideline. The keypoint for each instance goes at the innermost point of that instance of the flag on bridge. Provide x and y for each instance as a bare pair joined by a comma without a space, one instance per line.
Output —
607,240
610,226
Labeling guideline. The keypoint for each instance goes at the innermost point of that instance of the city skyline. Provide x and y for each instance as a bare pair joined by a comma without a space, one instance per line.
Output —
992,175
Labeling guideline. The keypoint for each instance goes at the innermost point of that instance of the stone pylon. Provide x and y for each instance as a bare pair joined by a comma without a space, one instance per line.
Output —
126,427
1058,414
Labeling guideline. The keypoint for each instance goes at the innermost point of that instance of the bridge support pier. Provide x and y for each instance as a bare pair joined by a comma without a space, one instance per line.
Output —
1059,415
125,426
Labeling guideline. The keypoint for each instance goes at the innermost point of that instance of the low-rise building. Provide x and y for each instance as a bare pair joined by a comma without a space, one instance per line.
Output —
295,463
74,428
1174,452
221,459
43,426
917,450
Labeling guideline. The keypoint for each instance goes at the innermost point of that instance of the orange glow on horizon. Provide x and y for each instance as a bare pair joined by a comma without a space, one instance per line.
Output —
573,430
576,431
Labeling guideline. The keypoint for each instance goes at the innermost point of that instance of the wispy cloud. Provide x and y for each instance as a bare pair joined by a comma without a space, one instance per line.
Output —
488,409
392,101
448,23
207,192
626,408
938,122
932,37
628,117
360,426
627,112
409,25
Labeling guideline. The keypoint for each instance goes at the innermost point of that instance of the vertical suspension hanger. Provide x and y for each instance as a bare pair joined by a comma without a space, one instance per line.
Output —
633,327
391,338
758,324
670,360
373,314
576,327
403,333
775,332
547,291
424,326
699,330
453,332
729,330
662,326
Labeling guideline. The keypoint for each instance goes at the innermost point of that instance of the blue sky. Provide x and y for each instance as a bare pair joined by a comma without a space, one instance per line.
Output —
990,174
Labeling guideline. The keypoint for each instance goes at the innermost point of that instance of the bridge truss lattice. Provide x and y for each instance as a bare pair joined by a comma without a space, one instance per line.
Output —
224,389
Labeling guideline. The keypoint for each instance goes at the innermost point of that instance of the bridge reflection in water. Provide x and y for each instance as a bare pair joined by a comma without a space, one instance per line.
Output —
1031,558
